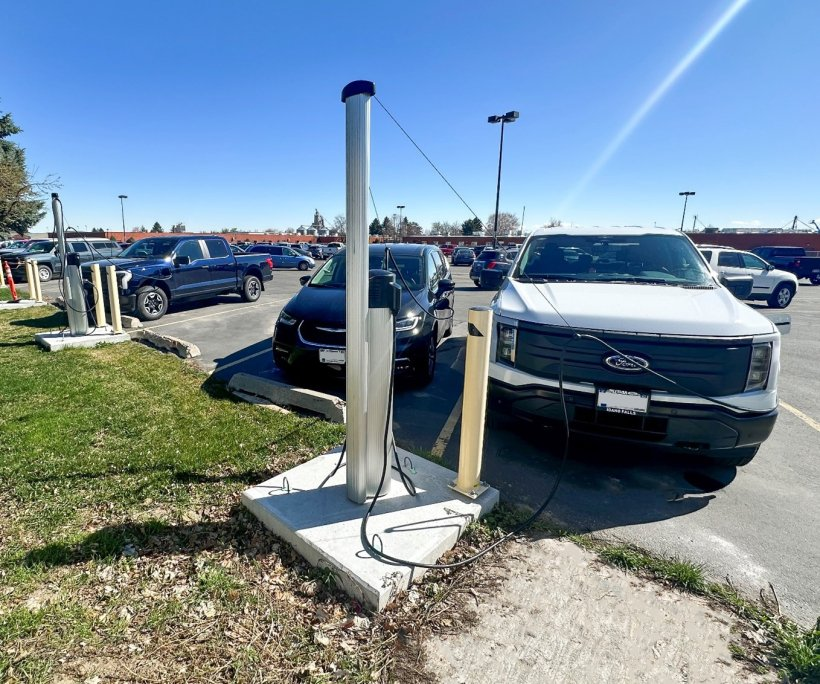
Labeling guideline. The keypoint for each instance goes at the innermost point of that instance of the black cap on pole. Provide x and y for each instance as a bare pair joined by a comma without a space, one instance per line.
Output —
358,88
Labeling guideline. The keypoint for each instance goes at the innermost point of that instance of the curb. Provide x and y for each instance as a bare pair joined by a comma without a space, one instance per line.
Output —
181,348
327,405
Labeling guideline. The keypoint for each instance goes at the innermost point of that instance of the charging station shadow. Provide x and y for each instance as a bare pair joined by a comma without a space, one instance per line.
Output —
605,485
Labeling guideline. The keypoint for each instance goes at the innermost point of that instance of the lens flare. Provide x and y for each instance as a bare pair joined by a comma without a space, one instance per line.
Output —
649,103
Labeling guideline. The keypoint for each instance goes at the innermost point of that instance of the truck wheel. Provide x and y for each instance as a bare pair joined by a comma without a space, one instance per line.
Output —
44,272
303,266
734,457
815,278
152,303
781,297
477,282
251,288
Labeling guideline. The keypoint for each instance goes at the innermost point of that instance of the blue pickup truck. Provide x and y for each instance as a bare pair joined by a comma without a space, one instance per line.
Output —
155,272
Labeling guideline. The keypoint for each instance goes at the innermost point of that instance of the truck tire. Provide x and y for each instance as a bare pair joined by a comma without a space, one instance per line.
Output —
303,266
44,272
815,278
251,288
781,296
152,303
740,456
477,282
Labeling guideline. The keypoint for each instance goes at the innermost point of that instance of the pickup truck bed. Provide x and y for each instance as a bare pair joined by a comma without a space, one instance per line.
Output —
794,260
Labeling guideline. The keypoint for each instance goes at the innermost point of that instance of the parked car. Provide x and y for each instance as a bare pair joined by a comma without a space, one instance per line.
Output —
156,272
284,257
236,249
312,323
332,248
317,251
592,311
49,261
10,246
794,260
447,249
462,256
777,288
487,256
478,249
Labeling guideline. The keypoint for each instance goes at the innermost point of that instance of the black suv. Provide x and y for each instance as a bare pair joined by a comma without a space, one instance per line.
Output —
310,332
489,258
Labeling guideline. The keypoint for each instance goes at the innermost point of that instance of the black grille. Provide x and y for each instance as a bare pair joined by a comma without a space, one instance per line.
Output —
315,335
713,367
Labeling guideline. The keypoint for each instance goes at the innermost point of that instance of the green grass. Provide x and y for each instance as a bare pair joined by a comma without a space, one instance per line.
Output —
5,293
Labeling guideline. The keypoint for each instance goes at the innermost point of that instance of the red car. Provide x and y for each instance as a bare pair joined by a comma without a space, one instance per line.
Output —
447,250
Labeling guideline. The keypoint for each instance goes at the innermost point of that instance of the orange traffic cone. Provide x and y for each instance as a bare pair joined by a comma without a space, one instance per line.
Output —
10,279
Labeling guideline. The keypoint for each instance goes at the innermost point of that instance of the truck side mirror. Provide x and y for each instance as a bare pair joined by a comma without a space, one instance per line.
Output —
182,260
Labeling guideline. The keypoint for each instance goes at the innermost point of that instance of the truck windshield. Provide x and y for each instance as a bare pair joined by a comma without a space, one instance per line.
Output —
334,270
648,259
150,248
40,247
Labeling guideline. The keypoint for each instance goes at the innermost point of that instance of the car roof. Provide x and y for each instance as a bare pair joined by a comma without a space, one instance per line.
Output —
402,248
631,230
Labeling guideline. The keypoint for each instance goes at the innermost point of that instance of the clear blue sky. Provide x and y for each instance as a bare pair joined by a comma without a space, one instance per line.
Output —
224,114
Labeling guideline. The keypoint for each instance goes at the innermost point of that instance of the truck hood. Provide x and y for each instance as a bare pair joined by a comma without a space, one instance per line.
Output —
632,308
134,265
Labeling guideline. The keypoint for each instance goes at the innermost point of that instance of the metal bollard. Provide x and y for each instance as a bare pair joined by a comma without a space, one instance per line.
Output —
38,286
114,299
99,302
2,275
30,275
474,403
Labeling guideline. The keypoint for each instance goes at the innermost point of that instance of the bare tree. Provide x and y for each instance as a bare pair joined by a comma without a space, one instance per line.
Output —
340,223
445,228
508,224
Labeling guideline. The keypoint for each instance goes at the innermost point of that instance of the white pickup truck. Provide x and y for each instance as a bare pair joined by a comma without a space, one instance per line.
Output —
649,346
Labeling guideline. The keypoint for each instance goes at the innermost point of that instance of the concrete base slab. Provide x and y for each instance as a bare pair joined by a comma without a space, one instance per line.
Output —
323,525
22,304
183,349
56,340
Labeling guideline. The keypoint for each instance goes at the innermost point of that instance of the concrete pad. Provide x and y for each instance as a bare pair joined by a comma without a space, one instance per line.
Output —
181,348
327,405
56,340
323,525
22,304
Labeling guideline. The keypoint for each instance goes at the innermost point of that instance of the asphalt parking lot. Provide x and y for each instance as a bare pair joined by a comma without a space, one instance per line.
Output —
756,524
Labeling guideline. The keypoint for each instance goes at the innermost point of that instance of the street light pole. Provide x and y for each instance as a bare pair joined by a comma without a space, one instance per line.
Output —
685,199
509,117
400,207
122,208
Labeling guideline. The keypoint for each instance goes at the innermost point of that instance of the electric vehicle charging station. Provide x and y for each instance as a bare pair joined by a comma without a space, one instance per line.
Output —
324,507
78,334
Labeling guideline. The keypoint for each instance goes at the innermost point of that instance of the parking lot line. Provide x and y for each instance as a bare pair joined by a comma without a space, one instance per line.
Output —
217,313
808,420
243,359
447,431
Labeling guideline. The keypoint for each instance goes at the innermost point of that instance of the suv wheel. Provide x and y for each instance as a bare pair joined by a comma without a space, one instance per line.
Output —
781,297
152,303
44,273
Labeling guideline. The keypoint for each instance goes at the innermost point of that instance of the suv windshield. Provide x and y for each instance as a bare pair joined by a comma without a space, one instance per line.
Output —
655,259
333,272
150,248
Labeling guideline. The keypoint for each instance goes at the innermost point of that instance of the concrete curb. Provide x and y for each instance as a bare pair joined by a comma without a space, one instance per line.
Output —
22,304
327,405
181,348
131,322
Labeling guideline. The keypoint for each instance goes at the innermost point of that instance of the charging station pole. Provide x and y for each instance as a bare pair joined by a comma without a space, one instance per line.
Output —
356,96
72,279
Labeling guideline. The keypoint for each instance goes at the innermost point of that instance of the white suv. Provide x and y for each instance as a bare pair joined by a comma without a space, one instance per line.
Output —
777,288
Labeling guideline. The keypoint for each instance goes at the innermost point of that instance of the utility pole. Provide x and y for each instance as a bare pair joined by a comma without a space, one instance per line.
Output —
794,224
694,221
523,214
686,196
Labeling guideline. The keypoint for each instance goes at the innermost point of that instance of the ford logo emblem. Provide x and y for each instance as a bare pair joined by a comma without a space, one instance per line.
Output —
626,364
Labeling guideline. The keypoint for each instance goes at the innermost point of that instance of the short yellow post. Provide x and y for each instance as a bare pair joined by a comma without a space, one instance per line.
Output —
2,275
474,403
38,286
99,302
114,299
31,274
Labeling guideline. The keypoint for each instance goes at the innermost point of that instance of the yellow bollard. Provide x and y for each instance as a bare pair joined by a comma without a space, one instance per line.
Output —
38,286
31,276
474,404
114,299
99,301
2,275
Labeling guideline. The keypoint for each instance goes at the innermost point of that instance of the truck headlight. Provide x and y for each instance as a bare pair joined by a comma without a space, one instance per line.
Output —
507,338
125,278
759,366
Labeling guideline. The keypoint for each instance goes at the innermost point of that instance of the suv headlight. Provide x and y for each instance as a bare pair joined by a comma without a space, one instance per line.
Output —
507,339
759,366
407,323
286,319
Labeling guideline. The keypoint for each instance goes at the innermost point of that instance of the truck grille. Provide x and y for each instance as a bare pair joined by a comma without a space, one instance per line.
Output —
713,367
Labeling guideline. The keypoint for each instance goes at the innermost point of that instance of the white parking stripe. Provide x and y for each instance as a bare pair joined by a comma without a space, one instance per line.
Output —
243,359
447,431
216,313
808,420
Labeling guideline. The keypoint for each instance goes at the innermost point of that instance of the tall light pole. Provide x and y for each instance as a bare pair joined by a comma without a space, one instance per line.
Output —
685,200
509,117
122,208
400,207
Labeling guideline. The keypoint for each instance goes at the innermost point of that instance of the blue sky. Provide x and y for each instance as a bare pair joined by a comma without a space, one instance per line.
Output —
224,114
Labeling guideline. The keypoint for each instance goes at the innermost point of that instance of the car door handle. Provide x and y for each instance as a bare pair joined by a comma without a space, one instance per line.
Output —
205,267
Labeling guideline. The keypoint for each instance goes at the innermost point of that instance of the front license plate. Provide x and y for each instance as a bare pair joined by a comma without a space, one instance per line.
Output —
622,401
335,356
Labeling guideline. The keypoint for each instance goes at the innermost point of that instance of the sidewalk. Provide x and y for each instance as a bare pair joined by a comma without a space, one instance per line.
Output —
562,616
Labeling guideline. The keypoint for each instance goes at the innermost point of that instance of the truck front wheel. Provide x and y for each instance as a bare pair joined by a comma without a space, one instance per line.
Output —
251,288
44,273
152,303
781,297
